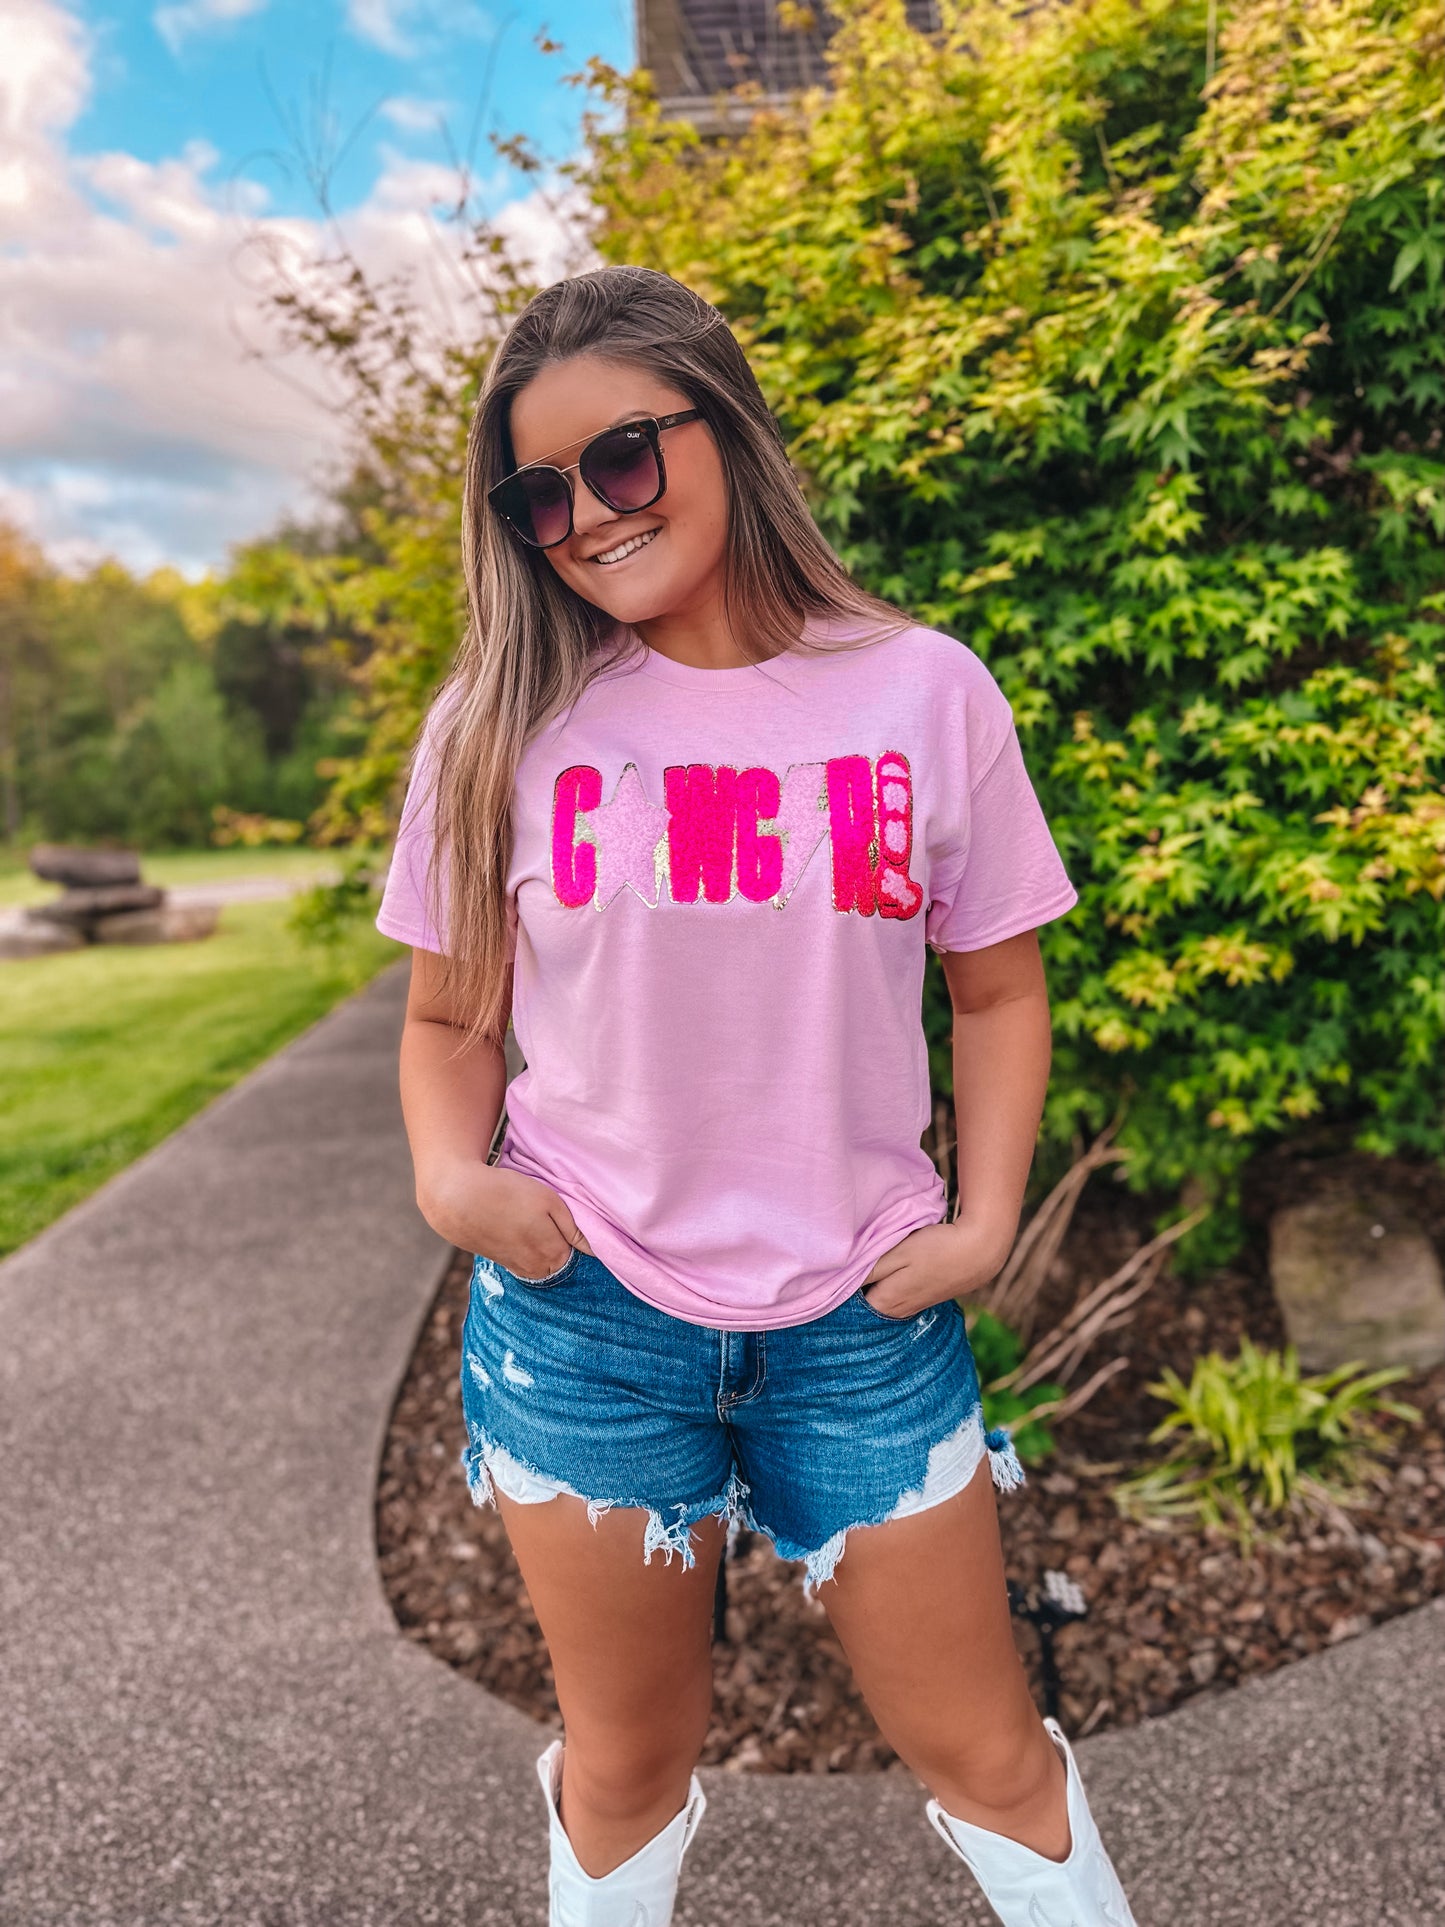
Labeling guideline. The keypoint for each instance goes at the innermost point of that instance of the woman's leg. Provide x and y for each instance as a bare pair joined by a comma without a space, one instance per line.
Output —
631,1650
921,1607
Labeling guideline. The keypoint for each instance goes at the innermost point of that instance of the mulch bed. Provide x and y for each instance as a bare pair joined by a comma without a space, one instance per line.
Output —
1172,1613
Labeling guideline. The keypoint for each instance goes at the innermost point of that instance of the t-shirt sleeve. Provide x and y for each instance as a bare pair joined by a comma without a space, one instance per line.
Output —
1001,872
404,912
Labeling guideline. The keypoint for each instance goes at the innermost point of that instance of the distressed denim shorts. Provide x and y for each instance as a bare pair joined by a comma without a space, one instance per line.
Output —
572,1383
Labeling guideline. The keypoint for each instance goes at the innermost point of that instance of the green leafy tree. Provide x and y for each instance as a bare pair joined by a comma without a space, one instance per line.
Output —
176,756
1130,373
1108,337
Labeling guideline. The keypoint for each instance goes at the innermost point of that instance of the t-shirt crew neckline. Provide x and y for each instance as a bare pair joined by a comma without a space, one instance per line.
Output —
745,675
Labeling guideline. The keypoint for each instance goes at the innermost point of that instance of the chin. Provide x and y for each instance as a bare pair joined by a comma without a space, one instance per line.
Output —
641,603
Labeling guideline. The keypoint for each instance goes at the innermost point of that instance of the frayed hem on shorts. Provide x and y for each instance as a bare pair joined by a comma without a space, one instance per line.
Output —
952,1464
660,1535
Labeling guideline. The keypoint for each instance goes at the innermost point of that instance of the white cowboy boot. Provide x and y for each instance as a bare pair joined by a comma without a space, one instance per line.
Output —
641,1891
1027,1890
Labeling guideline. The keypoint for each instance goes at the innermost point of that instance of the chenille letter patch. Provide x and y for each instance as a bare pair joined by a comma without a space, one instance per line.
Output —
720,833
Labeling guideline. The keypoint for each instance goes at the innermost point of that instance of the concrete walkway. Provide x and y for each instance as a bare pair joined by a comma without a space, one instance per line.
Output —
261,889
223,890
207,1715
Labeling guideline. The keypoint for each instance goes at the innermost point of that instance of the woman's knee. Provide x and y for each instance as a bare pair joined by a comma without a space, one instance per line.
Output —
1006,1768
620,1773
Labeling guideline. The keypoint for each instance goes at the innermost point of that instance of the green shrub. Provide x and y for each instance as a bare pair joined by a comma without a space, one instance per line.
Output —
1260,1439
1117,351
326,915
997,1350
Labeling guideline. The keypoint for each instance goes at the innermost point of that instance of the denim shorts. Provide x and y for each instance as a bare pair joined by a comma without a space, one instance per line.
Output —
572,1383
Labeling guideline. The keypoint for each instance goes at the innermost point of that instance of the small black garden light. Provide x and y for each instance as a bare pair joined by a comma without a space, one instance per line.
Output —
1055,1603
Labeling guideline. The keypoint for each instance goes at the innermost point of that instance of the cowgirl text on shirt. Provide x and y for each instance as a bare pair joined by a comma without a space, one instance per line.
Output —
722,832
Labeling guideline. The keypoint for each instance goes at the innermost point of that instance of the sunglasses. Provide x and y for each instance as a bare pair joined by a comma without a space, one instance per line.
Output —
622,466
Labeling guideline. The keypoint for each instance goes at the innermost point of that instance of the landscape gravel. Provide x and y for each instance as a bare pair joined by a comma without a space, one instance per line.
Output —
1172,1613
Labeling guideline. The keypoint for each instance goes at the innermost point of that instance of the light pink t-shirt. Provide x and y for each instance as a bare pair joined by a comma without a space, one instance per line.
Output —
720,892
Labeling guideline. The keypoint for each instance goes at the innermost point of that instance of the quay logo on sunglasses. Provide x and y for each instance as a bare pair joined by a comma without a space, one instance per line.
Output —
722,833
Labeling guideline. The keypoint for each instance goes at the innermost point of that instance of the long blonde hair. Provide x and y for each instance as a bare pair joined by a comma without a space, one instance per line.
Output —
532,643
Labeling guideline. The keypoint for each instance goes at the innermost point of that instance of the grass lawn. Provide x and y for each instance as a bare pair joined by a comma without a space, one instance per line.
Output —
108,1049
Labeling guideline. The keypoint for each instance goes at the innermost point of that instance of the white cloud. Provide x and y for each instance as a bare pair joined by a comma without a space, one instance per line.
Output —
379,23
176,24
414,116
45,76
145,406
406,28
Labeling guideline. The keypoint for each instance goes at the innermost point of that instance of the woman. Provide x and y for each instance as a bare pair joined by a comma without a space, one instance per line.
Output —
708,799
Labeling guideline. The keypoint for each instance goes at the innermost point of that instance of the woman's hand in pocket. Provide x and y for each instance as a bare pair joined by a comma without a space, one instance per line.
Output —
518,1222
933,1263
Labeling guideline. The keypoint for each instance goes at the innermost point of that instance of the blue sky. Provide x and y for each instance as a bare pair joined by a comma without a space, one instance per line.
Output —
154,154
375,74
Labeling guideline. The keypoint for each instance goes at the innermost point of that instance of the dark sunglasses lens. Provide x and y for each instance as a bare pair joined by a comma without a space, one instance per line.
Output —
536,501
622,466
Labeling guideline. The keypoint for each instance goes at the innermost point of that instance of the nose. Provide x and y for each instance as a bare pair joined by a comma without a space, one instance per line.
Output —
591,518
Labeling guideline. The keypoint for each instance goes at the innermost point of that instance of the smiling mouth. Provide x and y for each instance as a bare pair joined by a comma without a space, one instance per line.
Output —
611,557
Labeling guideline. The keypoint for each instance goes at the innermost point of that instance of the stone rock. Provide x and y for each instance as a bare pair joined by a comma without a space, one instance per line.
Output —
62,863
82,906
23,937
187,922
130,926
1357,1277
171,923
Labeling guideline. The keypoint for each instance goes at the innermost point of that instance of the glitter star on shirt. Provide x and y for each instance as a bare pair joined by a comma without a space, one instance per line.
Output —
630,835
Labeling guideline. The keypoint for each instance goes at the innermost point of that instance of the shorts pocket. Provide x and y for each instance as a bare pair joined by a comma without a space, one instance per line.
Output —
557,1277
883,1317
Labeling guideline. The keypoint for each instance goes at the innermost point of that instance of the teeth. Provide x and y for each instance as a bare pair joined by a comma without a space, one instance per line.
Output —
626,548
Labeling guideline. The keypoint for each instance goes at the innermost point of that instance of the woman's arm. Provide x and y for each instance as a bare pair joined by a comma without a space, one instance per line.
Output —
1002,1046
451,1100
1002,1049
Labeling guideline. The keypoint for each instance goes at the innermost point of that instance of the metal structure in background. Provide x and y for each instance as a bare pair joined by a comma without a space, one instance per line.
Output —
694,49
1054,1604
720,1591
1057,1602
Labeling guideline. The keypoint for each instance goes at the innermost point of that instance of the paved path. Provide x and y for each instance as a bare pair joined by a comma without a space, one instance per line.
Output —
207,1715
223,890
260,889
245,889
